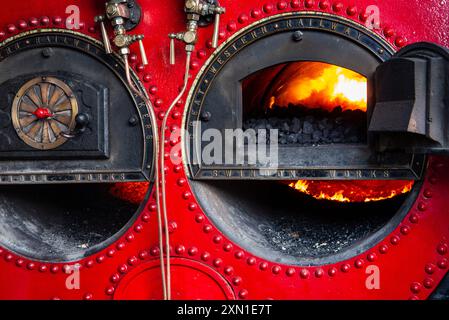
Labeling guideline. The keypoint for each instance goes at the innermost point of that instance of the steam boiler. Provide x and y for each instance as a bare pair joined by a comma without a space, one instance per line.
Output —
224,150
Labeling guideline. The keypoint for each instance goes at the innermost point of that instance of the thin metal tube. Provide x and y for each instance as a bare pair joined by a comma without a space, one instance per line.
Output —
162,147
157,171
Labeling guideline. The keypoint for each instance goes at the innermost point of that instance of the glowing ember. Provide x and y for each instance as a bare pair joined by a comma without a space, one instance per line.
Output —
353,191
133,192
319,85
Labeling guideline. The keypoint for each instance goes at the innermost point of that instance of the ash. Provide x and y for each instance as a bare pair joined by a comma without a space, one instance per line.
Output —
305,126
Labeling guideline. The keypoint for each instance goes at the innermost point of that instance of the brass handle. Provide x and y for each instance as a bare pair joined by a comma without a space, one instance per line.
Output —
104,34
172,49
216,31
142,51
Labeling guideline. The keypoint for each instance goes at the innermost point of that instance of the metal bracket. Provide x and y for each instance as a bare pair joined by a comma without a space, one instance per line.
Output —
411,112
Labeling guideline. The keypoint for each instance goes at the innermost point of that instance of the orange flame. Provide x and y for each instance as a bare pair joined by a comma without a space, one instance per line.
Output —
320,85
353,191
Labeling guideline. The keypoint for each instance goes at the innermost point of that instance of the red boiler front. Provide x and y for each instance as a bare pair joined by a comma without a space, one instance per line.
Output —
123,175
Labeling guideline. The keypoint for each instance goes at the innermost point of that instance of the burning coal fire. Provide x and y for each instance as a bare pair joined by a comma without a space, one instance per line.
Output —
133,192
353,191
319,85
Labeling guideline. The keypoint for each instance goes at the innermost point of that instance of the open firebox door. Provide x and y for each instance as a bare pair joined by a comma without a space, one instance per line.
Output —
411,113
350,132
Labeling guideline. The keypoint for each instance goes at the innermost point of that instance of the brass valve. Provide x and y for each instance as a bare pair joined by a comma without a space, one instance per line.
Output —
117,12
195,9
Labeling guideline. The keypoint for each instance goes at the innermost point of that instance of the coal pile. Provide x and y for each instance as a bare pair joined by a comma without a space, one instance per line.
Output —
305,126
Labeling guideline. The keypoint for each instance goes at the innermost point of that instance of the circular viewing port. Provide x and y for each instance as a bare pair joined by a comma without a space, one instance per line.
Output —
62,223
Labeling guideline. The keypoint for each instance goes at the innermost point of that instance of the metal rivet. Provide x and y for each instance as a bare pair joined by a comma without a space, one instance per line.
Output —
309,3
205,256
243,18
88,296
218,263
256,13
143,255
133,261
199,218
282,5
428,283
295,4
383,249
133,121
232,26
319,273
123,269
442,264
405,230
345,268
54,269
304,274
268,7
47,52
276,269
297,36
239,254
243,294
154,251
206,116
172,226
358,263
371,257
428,193
138,228
229,270
332,272
415,287
324,4
227,247
180,249
430,268
442,249
237,281
422,207
290,272
193,251
110,291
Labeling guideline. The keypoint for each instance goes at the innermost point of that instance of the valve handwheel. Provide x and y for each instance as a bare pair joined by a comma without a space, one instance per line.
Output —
43,109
